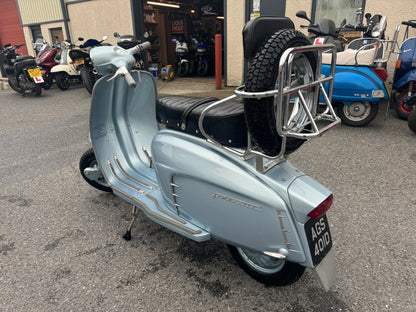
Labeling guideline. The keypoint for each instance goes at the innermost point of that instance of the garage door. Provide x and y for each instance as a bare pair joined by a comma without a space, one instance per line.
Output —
10,29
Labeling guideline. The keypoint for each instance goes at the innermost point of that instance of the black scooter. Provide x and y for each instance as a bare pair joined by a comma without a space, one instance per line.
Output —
324,31
22,72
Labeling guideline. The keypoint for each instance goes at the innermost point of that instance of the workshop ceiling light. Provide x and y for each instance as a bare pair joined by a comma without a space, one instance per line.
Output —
164,4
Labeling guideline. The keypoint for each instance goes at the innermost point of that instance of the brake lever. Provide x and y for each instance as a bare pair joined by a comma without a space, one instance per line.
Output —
123,71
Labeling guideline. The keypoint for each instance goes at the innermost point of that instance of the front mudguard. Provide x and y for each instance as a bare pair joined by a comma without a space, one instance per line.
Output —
404,80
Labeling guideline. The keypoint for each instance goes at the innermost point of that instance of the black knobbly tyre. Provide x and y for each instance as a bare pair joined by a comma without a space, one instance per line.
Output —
88,160
265,269
262,76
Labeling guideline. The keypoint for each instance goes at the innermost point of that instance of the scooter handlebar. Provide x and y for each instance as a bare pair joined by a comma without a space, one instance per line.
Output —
140,47
123,71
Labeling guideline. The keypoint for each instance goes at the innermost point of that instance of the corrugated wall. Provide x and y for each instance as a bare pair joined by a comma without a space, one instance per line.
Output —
39,11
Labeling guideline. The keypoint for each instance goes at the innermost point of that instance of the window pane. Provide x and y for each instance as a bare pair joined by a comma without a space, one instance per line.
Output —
337,10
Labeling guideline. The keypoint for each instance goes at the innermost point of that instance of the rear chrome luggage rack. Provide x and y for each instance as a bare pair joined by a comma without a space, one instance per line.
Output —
282,97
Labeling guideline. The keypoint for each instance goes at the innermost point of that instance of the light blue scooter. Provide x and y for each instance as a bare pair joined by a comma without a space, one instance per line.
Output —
201,175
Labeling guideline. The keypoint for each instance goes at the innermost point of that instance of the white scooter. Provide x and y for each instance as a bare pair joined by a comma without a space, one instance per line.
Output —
66,71
218,168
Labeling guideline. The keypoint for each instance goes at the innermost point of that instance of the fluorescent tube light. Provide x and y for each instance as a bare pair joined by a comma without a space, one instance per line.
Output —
164,4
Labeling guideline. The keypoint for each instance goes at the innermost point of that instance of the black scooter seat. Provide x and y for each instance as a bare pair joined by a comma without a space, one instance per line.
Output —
24,57
225,123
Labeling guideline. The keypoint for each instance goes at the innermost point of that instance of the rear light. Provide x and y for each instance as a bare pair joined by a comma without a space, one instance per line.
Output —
382,73
322,208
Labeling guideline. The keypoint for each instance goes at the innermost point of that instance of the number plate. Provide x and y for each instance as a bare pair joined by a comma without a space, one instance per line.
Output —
34,72
79,61
319,238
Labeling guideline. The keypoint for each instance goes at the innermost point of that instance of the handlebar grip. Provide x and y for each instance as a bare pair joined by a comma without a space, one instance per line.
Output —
129,79
141,47
411,23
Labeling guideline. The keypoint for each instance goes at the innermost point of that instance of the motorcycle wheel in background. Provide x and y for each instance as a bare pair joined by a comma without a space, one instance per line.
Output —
48,81
203,67
62,80
411,120
357,114
88,78
183,68
401,107
15,86
262,76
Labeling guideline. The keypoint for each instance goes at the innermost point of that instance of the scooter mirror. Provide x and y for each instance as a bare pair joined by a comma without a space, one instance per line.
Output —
367,16
80,39
116,34
105,38
301,14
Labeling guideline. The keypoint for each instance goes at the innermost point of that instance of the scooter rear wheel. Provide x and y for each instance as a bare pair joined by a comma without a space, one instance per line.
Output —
266,269
262,76
357,114
14,85
88,160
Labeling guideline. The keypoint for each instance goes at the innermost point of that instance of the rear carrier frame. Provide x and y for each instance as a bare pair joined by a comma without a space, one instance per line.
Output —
319,122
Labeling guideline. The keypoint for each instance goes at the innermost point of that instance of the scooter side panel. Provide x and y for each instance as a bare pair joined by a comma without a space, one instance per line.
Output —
224,195
405,73
353,83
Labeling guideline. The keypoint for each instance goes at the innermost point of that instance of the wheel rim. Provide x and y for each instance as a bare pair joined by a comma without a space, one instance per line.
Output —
406,108
302,73
261,262
357,111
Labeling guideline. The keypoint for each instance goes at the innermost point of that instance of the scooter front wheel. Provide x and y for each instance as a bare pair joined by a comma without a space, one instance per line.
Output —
357,114
401,106
411,121
62,80
266,269
88,160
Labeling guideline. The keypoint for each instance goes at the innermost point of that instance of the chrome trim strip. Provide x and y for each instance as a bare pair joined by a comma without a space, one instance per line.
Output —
129,176
157,216
284,231
121,181
165,211
174,195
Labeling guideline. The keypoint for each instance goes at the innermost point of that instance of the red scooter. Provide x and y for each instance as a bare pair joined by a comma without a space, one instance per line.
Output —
46,60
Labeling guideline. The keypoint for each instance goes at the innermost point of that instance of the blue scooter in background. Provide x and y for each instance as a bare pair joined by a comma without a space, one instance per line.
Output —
359,83
405,74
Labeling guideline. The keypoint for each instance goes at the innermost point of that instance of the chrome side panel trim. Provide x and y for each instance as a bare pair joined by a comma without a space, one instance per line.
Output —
121,181
129,176
147,210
